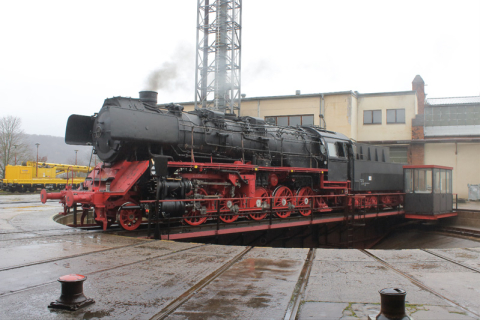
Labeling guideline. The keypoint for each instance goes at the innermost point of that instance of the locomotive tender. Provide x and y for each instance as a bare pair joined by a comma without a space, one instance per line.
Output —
204,165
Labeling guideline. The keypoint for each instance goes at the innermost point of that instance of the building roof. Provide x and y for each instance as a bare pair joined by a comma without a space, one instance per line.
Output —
295,96
393,93
453,100
310,95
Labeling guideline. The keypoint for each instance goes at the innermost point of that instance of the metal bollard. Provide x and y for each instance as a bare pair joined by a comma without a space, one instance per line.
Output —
71,297
392,305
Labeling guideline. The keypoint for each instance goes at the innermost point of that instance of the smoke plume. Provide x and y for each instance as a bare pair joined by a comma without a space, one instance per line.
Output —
162,77
175,74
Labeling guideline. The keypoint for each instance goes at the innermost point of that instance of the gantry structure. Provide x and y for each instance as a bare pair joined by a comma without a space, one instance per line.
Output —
218,59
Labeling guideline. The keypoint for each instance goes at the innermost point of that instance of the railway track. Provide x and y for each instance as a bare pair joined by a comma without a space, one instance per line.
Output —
66,257
451,260
422,285
89,273
175,304
460,231
49,233
19,202
299,291
171,307
297,296
292,308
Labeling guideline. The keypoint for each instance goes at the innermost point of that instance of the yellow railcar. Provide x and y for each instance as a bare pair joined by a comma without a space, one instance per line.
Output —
24,178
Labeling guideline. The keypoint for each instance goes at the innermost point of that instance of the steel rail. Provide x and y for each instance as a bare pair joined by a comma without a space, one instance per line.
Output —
460,231
175,304
42,230
451,260
299,291
419,283
103,270
66,257
62,232
22,202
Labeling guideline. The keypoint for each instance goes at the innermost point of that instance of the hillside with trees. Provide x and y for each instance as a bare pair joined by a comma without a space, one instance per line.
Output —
55,150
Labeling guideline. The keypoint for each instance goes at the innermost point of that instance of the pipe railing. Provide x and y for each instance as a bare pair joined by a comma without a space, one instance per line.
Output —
271,210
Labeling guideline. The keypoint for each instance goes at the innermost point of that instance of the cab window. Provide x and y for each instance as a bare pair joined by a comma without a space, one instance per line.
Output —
332,149
340,149
337,149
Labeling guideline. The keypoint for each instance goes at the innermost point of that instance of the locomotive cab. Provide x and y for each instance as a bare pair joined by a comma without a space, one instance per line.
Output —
339,149
337,159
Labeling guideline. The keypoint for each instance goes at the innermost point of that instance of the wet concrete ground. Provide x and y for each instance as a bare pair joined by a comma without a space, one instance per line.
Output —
132,278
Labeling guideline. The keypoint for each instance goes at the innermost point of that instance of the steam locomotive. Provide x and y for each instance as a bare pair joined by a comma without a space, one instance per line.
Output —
206,165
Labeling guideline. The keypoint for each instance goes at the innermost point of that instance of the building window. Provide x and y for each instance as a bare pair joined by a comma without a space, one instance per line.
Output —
372,117
395,115
452,115
285,121
398,154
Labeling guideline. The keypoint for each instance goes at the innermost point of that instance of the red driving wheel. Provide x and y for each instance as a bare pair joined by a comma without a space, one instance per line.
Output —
260,197
129,219
304,199
194,216
228,215
282,196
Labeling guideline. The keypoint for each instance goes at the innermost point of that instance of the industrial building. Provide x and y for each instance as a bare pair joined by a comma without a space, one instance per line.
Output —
442,131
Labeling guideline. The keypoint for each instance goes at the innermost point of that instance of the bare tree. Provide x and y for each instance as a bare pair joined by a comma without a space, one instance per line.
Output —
12,143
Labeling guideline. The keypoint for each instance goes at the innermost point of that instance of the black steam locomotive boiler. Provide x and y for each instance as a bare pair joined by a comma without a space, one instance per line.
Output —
205,165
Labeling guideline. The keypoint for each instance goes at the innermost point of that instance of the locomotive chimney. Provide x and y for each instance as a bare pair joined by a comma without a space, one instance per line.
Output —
149,97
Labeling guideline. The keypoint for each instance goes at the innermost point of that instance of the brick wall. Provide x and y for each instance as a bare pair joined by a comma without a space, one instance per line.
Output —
416,151
417,132
416,154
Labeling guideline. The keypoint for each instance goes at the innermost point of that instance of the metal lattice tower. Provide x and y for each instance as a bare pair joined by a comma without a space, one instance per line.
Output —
217,76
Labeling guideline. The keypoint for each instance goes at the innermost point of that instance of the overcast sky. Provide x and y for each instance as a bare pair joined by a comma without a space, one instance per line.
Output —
65,57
